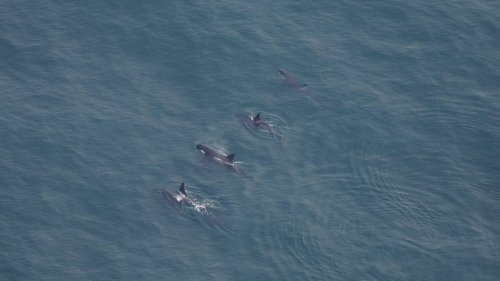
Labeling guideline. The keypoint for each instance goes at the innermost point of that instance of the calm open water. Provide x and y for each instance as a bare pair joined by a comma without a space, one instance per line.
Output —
391,172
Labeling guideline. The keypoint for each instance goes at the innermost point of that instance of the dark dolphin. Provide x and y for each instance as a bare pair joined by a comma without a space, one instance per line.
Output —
220,157
259,123
180,198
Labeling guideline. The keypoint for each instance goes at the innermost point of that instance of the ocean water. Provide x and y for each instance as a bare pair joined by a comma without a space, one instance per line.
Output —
390,172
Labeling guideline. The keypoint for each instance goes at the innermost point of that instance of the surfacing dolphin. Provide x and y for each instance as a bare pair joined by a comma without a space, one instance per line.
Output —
259,123
181,199
220,157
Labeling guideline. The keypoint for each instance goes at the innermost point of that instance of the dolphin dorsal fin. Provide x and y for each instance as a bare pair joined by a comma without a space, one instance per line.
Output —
230,157
182,190
257,117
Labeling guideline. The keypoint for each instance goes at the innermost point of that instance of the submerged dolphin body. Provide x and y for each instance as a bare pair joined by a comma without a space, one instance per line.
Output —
220,157
291,82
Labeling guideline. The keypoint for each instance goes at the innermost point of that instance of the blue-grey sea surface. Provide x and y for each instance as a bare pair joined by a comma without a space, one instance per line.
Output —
387,165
